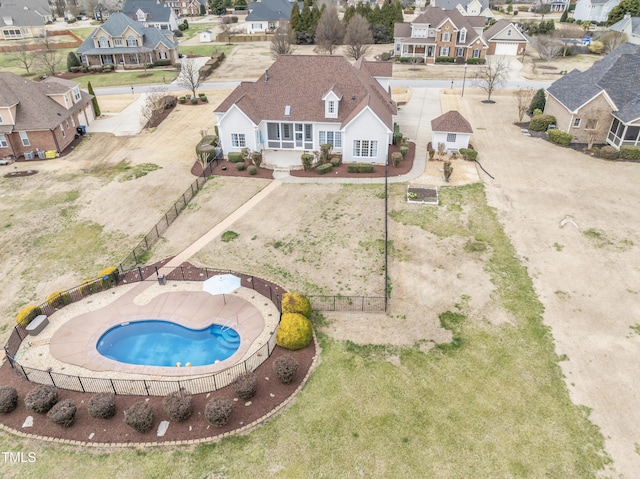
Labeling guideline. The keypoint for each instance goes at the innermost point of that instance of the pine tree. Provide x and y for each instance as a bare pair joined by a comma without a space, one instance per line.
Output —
564,16
94,100
348,14
72,61
538,102
294,19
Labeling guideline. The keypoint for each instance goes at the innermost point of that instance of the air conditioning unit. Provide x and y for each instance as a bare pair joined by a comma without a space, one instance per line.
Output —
28,155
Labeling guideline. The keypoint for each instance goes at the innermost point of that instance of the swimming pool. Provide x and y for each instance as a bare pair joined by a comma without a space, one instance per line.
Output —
163,343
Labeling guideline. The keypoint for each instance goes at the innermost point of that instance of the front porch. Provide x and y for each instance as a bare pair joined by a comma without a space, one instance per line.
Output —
283,159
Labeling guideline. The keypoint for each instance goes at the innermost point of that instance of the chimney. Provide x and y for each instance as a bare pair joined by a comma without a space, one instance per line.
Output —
266,75
627,16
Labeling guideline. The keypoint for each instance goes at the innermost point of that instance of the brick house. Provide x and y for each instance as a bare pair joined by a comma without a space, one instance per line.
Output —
151,13
441,33
601,104
126,43
504,38
40,116
187,7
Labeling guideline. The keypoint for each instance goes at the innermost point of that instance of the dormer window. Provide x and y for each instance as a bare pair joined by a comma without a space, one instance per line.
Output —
331,107
103,43
76,93
8,21
141,16
132,42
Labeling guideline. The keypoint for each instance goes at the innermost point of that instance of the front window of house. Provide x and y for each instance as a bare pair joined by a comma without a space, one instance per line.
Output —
162,55
451,137
238,140
333,138
365,148
103,42
444,51
3,141
76,93
476,54
460,52
462,36
592,124
24,138
446,37
64,133
576,122
117,42
132,42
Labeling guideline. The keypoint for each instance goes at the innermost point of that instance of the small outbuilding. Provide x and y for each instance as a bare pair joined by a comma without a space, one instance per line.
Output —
206,36
452,129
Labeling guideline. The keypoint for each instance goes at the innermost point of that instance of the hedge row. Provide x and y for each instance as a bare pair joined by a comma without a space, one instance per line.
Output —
630,153
360,168
212,64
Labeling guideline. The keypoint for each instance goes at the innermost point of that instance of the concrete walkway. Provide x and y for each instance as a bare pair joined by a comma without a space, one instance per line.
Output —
126,123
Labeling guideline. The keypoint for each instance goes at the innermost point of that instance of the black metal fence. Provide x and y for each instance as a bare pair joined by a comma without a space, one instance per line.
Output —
138,253
369,304
196,385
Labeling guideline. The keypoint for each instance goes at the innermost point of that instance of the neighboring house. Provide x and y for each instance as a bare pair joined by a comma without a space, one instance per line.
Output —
602,102
267,15
126,43
451,129
23,18
303,101
594,10
151,13
551,5
186,7
472,8
504,38
440,33
103,11
630,26
40,115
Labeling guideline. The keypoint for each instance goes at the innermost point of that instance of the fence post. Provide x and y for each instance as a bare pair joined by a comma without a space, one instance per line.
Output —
156,227
175,208
166,218
24,373
334,303
81,385
140,273
113,387
144,381
146,243
182,271
51,377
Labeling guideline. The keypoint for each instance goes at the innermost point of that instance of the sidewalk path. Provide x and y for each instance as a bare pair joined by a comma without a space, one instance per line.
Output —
126,123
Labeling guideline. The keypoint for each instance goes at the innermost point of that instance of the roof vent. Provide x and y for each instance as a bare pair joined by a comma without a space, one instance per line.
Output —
353,97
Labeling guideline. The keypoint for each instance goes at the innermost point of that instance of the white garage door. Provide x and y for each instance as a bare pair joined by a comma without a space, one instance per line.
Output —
507,48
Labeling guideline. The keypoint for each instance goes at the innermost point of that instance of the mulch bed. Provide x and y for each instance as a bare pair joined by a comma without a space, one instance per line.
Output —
231,170
271,393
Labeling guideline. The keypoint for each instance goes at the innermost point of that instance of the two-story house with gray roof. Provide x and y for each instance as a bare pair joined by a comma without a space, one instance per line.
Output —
40,116
304,101
473,8
151,13
594,10
23,18
126,43
267,15
602,102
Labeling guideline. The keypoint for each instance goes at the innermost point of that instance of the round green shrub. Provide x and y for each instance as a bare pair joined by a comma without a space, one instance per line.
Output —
324,168
541,122
63,413
8,399
608,153
404,150
296,303
396,158
285,368
41,399
246,385
139,417
252,169
102,406
194,101
218,411
240,165
469,154
294,332
560,137
235,157
335,161
178,405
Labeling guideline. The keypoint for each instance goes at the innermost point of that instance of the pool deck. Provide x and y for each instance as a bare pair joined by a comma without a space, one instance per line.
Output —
74,331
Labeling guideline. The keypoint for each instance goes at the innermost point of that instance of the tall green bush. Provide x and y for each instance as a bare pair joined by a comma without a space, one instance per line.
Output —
94,100
541,122
630,153
539,101
72,61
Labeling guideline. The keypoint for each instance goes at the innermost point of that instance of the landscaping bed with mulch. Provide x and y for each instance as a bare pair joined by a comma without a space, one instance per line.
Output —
271,395
226,168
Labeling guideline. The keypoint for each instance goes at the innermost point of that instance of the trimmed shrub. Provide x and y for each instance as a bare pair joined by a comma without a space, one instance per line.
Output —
182,99
404,150
240,165
560,137
360,168
139,417
72,61
162,63
541,122
63,413
41,399
307,161
630,153
8,399
194,101
102,406
246,385
296,303
252,170
58,299
476,61
335,161
178,405
75,69
324,168
26,315
256,157
203,99
88,287
445,59
608,153
234,156
218,411
469,154
396,158
285,368
294,331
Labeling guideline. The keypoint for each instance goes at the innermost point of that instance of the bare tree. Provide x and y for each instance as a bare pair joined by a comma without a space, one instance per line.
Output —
547,47
492,75
613,40
24,58
282,42
330,31
567,32
595,125
523,99
358,37
48,57
154,105
189,76
225,27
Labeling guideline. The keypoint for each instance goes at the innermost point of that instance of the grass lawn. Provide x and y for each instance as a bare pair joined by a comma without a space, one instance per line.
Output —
9,63
195,29
82,32
205,50
490,404
127,78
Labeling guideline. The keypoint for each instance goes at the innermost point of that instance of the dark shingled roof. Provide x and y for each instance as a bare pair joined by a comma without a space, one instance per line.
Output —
301,81
36,110
616,74
270,10
434,17
452,121
24,13
451,4
156,12
500,25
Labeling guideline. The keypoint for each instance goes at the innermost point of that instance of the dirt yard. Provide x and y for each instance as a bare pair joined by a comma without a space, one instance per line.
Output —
573,220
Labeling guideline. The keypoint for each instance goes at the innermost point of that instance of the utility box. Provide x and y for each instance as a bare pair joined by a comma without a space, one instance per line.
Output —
162,280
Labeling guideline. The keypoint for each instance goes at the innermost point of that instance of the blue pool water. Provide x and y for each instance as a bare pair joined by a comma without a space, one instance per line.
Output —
162,343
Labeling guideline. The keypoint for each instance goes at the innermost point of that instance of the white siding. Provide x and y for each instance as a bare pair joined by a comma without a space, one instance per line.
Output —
462,141
366,127
236,122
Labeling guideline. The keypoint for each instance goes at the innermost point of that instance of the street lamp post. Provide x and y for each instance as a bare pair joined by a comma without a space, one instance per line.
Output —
132,89
464,79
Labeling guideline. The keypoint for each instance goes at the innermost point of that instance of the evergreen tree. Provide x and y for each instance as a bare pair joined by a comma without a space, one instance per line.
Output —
72,61
203,10
538,102
617,13
94,100
294,19
348,14
564,16
217,7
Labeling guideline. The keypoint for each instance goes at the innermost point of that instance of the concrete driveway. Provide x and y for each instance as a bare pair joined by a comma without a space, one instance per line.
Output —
575,224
